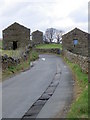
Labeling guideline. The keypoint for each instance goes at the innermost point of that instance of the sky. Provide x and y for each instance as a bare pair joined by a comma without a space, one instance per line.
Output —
42,14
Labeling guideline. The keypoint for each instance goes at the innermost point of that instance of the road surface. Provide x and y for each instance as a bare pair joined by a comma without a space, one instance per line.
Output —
22,91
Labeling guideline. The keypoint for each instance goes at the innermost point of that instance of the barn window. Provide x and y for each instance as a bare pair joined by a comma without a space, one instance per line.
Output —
75,42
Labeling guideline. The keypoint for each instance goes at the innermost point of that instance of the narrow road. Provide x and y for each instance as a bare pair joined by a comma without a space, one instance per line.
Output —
22,91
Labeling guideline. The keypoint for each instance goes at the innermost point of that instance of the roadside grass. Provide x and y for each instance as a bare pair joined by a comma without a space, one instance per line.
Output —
79,108
49,46
82,78
34,55
24,65
13,70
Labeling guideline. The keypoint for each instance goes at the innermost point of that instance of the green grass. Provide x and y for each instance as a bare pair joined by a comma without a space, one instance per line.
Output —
24,65
34,55
0,44
11,53
49,46
82,78
79,109
12,70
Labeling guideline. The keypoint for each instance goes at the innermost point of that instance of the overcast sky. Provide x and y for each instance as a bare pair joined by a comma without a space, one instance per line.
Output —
42,14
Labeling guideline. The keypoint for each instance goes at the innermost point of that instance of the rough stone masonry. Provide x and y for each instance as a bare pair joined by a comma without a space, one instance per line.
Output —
15,36
76,41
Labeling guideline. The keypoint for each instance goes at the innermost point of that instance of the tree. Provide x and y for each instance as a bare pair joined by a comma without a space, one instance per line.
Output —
45,40
49,33
59,35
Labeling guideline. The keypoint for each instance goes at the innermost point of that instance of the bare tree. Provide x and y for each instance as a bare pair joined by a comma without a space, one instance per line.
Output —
52,34
59,35
49,33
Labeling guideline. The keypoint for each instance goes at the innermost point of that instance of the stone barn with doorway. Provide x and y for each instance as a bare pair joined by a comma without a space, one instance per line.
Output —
15,36
37,37
76,41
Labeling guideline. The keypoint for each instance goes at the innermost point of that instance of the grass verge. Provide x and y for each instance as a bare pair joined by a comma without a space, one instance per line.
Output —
79,108
34,55
24,65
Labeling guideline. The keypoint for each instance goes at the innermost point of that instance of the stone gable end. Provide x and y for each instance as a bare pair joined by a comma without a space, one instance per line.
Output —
15,36
76,41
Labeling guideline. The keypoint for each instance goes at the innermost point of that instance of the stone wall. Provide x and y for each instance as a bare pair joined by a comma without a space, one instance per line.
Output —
82,61
54,50
13,61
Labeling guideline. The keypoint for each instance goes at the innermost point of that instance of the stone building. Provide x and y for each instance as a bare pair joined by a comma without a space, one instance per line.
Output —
37,37
15,36
76,41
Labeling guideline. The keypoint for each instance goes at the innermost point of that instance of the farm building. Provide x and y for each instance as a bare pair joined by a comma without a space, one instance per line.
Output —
15,36
37,37
76,41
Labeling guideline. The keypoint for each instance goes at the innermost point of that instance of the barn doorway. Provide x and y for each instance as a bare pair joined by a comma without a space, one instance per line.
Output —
14,45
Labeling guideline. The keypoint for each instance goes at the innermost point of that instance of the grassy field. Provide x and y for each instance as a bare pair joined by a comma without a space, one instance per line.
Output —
24,65
79,108
16,53
49,46
11,53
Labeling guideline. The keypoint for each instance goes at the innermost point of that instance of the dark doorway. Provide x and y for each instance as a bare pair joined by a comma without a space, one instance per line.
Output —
14,45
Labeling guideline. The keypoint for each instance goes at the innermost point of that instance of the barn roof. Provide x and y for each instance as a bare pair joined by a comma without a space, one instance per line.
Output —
74,30
37,31
14,24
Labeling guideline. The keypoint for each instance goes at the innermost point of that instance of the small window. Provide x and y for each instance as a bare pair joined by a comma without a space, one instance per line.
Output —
75,41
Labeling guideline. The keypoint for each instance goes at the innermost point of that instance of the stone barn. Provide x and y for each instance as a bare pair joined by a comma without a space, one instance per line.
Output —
76,41
15,36
37,37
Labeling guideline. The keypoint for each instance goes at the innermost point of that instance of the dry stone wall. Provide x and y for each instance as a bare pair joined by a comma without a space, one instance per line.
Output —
82,61
13,61
54,50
